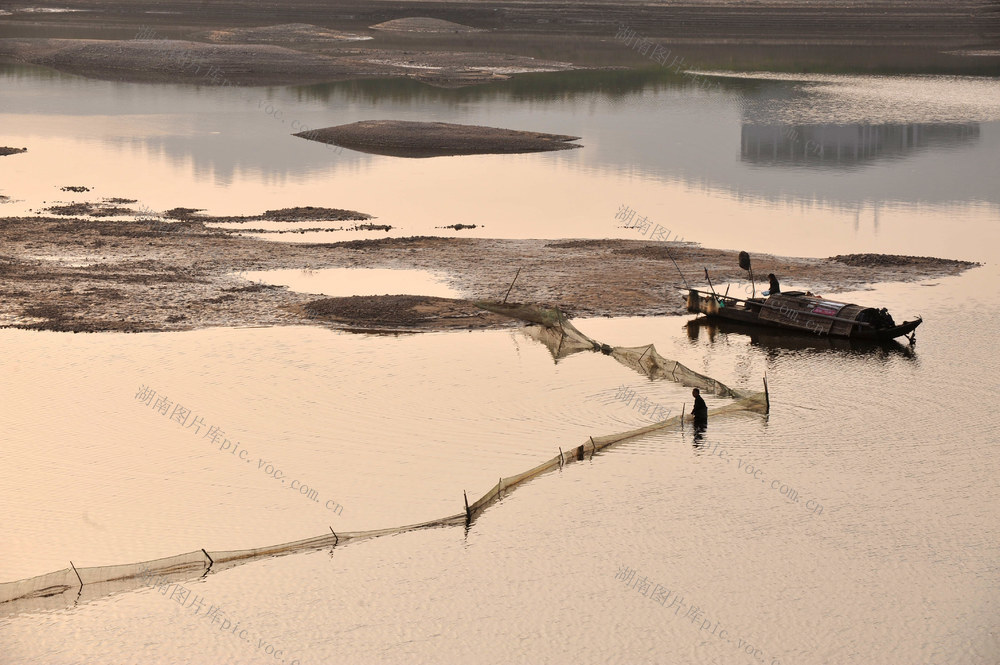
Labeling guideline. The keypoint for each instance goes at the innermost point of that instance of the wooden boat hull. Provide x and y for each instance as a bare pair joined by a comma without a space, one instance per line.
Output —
801,313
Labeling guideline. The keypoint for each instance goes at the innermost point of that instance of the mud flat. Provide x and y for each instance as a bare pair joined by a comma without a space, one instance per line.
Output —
400,138
4,151
400,312
880,36
280,34
86,275
425,25
244,59
171,60
297,214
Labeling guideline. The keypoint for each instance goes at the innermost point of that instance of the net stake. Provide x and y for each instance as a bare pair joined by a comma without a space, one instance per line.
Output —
211,562
561,461
511,284
468,513
77,574
336,537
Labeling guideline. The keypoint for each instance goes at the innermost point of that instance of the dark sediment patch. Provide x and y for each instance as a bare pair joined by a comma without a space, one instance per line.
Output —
898,260
412,242
401,138
401,311
90,209
312,214
253,288
577,244
4,151
317,229
298,214
181,213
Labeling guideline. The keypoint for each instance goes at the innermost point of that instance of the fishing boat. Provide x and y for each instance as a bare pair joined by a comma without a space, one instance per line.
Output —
800,311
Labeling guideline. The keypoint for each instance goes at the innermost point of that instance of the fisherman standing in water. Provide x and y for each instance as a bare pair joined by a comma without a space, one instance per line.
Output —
700,410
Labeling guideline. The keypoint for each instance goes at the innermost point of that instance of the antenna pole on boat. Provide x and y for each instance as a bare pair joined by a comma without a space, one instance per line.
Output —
710,284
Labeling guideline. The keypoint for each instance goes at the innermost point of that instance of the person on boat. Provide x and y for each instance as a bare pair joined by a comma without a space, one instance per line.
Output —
774,287
700,410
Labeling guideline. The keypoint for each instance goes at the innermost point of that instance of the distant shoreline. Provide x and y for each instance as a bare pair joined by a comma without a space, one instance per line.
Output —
304,42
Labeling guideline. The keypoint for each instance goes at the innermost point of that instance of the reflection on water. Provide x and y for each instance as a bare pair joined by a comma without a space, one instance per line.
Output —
651,140
770,339
846,145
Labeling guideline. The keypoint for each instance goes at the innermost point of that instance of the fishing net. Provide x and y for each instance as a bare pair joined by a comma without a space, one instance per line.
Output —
754,403
563,338
74,585
645,359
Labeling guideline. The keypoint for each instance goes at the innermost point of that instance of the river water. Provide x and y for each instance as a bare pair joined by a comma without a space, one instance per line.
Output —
888,556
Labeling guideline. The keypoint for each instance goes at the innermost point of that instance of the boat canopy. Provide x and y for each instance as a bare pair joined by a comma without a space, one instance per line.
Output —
813,313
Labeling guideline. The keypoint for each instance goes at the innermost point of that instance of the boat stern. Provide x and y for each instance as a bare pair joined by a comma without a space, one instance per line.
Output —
698,304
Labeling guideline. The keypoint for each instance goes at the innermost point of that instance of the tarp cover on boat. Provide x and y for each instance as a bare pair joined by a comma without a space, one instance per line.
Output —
811,313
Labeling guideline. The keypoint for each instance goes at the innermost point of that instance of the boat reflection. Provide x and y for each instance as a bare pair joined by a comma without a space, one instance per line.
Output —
704,329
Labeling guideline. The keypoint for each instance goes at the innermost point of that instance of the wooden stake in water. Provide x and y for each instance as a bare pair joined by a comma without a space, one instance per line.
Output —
511,284
77,574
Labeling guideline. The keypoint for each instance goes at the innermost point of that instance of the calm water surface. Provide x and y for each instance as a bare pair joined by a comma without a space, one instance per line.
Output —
898,446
